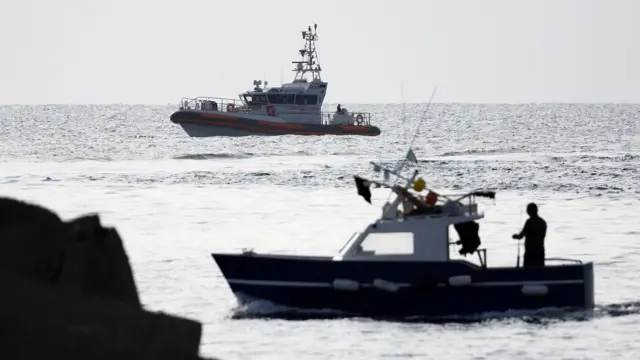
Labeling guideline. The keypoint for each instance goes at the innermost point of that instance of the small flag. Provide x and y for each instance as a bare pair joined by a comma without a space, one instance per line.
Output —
487,194
363,188
411,156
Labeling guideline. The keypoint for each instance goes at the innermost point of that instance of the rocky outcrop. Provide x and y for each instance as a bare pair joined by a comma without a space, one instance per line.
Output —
67,291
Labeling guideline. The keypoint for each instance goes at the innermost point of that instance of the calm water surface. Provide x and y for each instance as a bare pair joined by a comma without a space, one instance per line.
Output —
175,199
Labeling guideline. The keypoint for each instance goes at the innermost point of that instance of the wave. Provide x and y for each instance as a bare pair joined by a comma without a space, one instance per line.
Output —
246,155
495,178
484,152
572,156
266,310
588,157
209,156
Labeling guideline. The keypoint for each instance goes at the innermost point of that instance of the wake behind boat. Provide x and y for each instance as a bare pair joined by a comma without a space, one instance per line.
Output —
291,109
400,265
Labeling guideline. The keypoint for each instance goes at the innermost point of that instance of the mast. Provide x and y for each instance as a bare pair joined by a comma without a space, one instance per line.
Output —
309,62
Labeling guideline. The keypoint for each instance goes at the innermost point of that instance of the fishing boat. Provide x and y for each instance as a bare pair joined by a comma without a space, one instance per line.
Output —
399,265
290,109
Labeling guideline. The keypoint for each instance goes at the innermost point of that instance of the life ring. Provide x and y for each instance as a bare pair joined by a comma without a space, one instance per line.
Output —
271,111
230,107
359,120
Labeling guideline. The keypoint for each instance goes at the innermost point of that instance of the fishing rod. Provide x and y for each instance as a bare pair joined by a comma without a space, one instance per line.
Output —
415,136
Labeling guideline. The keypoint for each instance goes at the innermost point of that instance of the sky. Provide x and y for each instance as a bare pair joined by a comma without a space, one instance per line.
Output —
374,51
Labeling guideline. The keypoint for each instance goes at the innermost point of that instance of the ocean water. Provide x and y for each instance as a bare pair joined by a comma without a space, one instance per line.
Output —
176,199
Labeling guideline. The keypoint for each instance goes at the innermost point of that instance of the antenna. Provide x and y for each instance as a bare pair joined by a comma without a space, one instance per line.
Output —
309,61
422,120
404,161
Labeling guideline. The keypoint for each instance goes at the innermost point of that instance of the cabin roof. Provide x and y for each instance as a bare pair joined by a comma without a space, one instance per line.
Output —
314,87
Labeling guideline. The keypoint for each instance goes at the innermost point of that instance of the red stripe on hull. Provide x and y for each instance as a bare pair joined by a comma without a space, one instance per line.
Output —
267,127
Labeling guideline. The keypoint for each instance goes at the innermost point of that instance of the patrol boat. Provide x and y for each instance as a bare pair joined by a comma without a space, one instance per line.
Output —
290,109
400,266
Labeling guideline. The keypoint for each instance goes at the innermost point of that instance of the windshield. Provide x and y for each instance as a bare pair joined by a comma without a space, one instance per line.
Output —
256,99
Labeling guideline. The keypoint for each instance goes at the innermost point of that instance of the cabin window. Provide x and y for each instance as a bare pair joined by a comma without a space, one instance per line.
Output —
273,98
291,99
388,244
281,99
306,99
259,99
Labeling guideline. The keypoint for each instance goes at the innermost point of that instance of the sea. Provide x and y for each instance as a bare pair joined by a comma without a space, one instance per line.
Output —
176,199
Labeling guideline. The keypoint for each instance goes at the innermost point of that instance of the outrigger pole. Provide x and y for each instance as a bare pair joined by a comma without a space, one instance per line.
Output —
397,172
415,136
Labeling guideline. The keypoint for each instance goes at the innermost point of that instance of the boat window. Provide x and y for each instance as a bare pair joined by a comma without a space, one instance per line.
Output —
273,98
312,99
247,98
291,99
280,98
306,99
259,99
388,244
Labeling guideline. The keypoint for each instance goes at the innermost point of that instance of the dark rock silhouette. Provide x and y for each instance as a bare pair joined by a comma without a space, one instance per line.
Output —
67,291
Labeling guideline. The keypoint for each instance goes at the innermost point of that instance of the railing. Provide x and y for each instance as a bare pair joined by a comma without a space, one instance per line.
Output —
566,260
354,235
214,104
236,105
352,118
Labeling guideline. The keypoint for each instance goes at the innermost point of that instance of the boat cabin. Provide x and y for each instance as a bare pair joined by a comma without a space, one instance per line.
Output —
292,94
298,101
418,235
416,238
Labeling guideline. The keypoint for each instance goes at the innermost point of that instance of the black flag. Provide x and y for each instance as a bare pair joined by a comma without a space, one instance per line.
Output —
487,194
363,188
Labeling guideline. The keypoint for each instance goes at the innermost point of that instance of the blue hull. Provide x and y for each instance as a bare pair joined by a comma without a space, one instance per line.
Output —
307,283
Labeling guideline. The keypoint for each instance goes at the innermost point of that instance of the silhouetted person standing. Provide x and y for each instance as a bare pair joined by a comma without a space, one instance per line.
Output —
534,232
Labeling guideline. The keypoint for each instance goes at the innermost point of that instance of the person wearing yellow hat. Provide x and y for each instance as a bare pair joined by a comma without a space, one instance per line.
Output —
419,184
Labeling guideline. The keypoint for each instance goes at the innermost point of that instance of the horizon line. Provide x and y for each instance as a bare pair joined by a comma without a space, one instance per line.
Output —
359,103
